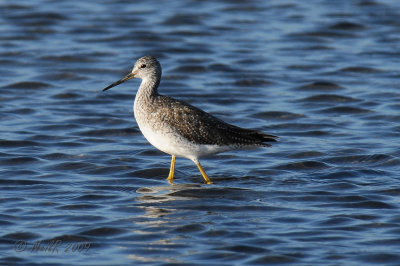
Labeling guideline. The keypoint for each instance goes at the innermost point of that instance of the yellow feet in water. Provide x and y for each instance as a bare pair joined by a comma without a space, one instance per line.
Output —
171,170
170,177
203,173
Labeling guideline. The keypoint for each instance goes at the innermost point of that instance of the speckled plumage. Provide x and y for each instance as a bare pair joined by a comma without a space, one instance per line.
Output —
200,127
180,129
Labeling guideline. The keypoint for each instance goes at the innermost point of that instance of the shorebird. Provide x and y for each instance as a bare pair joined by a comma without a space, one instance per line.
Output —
180,129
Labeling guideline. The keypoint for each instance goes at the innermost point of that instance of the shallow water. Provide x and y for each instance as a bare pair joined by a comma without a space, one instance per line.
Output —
80,185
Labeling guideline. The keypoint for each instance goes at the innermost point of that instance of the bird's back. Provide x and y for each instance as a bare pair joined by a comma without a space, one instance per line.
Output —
202,128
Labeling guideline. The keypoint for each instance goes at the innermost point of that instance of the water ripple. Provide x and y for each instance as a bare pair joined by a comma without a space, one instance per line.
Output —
76,172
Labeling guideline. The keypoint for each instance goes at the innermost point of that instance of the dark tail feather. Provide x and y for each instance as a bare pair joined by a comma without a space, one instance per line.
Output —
267,138
247,136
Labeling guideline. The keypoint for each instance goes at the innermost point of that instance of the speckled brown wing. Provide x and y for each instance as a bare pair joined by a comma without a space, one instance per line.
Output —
202,128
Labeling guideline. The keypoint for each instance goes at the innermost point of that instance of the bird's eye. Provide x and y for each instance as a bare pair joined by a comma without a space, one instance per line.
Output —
143,66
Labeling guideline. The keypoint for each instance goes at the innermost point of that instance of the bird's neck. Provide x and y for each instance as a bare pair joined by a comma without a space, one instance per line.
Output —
148,88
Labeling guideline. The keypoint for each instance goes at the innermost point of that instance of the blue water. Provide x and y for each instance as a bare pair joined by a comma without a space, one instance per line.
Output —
79,184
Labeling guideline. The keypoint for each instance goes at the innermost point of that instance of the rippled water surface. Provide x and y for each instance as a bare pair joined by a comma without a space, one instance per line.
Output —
79,184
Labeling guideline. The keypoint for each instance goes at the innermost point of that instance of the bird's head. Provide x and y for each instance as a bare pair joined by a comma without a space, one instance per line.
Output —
145,67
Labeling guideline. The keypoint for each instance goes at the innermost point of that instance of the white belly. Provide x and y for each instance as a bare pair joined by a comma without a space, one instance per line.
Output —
168,141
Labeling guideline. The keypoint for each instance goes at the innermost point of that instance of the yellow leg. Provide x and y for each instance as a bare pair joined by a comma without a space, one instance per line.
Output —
171,170
203,173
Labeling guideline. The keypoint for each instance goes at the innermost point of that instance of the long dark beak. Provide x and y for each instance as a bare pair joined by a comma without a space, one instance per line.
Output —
127,77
